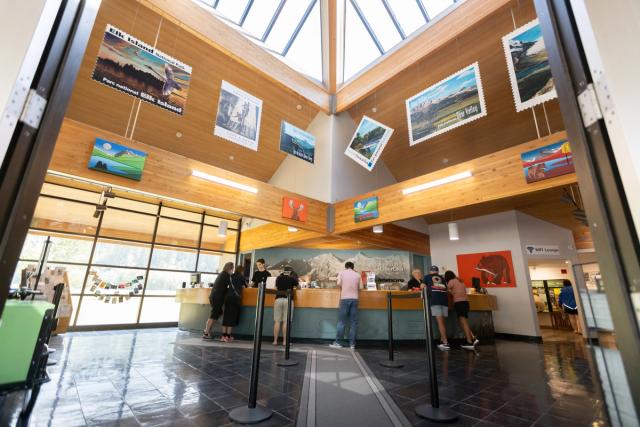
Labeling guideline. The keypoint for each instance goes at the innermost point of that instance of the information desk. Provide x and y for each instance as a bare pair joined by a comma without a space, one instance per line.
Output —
316,314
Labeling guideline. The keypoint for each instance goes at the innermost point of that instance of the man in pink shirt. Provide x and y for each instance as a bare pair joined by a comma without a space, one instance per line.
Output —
350,283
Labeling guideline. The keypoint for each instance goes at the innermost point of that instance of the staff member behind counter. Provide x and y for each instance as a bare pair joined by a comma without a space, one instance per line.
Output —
416,282
261,274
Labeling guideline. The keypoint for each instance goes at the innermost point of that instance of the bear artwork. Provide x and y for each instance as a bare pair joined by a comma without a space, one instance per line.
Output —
494,270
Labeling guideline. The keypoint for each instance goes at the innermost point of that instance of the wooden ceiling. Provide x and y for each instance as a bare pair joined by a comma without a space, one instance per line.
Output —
501,128
97,105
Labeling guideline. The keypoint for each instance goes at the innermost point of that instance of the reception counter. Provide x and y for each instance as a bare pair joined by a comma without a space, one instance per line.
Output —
316,313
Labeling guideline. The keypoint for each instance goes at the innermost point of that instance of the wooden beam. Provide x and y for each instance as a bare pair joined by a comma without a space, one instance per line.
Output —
393,237
495,176
270,235
198,20
415,48
167,174
330,53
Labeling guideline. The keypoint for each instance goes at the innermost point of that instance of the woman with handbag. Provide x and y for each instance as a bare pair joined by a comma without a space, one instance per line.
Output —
217,297
231,316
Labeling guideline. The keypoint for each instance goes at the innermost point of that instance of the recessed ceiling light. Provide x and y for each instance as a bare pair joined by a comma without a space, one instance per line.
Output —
378,229
231,157
374,109
298,107
178,134
437,182
292,229
224,181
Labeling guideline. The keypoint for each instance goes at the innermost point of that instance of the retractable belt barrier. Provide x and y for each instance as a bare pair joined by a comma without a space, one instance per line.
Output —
432,411
391,363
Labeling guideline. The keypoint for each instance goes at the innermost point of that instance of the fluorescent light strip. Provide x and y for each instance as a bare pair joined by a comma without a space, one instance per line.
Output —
224,181
437,182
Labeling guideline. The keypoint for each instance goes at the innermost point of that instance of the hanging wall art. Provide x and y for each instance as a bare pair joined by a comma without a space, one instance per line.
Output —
297,142
367,142
238,118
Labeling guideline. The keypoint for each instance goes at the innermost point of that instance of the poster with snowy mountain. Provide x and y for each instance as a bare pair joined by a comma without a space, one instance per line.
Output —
117,159
323,266
528,64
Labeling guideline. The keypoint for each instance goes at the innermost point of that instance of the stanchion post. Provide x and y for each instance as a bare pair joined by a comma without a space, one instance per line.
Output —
253,413
391,363
432,412
287,361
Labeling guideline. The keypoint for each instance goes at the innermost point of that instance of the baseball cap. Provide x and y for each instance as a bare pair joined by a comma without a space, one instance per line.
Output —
434,269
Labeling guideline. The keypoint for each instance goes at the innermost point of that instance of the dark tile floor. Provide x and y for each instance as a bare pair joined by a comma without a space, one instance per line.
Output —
507,384
146,377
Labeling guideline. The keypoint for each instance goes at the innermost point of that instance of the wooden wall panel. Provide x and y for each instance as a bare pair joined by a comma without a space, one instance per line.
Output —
169,174
495,176
270,235
502,127
108,109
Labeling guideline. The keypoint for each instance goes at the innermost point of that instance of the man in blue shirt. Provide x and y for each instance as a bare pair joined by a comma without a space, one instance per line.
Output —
439,302
567,300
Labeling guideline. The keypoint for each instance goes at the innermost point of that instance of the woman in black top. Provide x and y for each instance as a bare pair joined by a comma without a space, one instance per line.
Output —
216,298
416,281
231,315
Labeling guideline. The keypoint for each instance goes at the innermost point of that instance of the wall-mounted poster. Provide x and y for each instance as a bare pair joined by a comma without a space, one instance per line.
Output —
528,64
495,269
137,69
368,141
297,142
117,159
452,102
365,209
548,162
294,209
238,118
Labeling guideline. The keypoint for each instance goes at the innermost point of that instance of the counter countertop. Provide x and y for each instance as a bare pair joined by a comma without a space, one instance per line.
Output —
330,298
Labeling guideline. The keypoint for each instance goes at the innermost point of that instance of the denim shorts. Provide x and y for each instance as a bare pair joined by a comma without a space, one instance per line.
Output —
439,310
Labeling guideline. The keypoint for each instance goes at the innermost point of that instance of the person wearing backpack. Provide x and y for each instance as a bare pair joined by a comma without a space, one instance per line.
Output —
216,298
231,315
287,281
439,301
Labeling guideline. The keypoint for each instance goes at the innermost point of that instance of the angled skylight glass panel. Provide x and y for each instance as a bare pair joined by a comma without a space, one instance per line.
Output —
259,17
285,25
232,9
408,14
436,7
380,21
306,51
359,48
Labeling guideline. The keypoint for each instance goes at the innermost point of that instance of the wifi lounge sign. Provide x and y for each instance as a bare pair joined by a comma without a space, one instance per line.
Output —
543,250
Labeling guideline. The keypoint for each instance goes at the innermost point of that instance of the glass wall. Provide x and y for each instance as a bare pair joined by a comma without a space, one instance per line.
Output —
132,244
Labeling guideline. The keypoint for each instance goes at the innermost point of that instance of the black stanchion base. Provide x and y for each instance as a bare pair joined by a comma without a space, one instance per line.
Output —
391,364
285,362
438,415
246,415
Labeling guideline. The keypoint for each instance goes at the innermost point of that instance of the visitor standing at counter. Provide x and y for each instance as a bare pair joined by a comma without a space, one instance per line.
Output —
286,281
232,300
216,298
461,306
439,301
416,282
261,274
350,282
567,300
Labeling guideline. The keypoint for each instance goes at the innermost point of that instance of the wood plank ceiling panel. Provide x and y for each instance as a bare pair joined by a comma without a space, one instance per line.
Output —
501,128
97,105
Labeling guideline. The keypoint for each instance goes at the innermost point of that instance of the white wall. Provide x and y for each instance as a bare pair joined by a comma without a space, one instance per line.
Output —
511,231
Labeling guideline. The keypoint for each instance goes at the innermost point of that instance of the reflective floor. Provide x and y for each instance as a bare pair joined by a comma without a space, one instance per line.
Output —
131,378
507,384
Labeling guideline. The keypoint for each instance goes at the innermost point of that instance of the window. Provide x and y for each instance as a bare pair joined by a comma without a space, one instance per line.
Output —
176,232
70,249
112,252
157,310
33,245
211,262
64,216
213,241
173,258
166,282
127,225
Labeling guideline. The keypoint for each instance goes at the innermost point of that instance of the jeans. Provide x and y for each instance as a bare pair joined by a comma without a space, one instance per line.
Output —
348,310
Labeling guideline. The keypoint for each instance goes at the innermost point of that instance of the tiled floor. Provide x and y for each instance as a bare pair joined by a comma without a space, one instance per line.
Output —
507,384
131,378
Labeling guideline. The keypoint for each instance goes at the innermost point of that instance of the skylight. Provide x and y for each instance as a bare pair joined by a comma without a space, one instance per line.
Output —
292,29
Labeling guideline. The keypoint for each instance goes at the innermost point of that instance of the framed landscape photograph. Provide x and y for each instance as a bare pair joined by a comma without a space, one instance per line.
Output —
494,269
294,209
131,66
366,209
528,64
117,159
367,142
448,104
297,142
548,161
238,118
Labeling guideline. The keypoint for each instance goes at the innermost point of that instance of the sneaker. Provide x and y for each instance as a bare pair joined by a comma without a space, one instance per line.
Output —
207,337
352,347
224,338
230,338
335,345
444,347
468,346
476,341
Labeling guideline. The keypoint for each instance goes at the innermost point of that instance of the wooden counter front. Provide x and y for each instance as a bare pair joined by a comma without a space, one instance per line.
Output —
330,298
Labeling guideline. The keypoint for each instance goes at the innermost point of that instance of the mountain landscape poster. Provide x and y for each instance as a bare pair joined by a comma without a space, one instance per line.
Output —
297,142
117,159
238,118
365,209
448,104
548,161
129,65
368,141
528,64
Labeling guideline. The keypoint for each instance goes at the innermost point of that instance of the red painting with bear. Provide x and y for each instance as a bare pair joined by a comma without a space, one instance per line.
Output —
494,269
